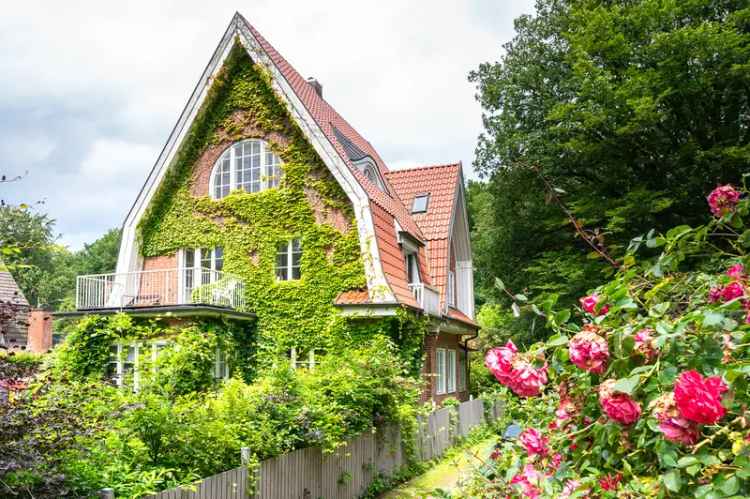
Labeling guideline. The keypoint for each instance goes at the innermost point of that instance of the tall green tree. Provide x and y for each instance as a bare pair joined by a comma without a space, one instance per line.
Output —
625,113
45,270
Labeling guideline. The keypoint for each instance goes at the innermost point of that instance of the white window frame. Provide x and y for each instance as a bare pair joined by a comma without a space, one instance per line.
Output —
450,293
268,160
440,365
197,269
411,261
121,352
220,355
450,385
289,268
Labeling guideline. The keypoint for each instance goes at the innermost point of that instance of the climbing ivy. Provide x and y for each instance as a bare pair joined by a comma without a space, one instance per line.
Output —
241,104
185,365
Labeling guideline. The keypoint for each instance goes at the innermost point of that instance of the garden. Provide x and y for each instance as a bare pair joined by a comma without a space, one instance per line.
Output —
68,433
643,389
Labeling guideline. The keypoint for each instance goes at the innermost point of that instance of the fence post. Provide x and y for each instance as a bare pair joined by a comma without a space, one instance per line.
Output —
245,455
107,493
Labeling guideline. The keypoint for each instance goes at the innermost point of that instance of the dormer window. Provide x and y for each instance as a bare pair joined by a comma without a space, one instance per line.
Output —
249,165
419,205
412,268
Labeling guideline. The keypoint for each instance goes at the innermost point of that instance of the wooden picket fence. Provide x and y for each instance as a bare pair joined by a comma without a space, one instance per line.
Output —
345,474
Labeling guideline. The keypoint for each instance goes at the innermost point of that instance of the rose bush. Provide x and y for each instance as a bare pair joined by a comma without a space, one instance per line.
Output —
645,390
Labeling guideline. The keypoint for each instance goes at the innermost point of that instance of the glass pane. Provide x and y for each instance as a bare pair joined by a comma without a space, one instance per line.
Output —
296,275
420,204
205,258
132,354
189,258
218,258
296,245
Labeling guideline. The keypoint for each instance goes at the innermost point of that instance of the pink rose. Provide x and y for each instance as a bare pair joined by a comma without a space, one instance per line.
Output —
723,200
731,291
534,442
527,380
570,487
737,271
645,344
528,480
610,482
674,427
589,303
499,361
714,294
618,406
698,399
589,351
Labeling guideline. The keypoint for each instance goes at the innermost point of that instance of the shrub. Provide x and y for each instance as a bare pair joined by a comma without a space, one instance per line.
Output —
647,392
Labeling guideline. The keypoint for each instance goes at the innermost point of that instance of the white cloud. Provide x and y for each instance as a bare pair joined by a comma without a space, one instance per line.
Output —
105,82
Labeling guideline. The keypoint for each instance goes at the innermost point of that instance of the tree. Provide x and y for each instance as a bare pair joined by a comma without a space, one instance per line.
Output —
627,111
100,256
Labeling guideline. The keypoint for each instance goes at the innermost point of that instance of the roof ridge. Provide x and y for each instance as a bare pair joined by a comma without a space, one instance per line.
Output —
422,167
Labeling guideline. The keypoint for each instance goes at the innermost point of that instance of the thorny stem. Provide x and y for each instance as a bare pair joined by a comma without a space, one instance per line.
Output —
579,229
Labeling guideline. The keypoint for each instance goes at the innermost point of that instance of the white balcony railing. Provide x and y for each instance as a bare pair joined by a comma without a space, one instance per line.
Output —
427,298
149,288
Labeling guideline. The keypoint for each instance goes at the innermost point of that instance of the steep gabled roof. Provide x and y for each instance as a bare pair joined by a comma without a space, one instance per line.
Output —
441,183
335,127
9,290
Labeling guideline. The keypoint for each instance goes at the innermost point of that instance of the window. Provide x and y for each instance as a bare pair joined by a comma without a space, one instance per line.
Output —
450,292
461,371
122,368
249,165
412,268
288,258
419,205
370,174
221,365
451,372
440,365
200,266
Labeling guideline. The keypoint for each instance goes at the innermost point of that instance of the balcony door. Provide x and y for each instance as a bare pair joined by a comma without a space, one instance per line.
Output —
199,267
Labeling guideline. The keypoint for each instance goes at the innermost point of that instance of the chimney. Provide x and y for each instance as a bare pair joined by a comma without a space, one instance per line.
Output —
316,85
40,331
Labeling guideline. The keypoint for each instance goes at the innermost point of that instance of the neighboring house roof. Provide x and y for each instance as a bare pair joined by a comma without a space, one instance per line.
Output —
442,184
9,290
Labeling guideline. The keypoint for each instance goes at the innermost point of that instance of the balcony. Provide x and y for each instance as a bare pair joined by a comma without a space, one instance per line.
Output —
427,298
160,288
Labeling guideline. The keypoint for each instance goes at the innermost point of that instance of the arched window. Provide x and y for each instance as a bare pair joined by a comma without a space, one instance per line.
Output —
250,165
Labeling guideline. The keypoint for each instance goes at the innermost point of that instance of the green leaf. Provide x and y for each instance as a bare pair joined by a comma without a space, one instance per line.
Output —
731,486
557,340
686,461
562,316
694,469
744,239
627,385
521,298
712,318
672,480
659,309
499,284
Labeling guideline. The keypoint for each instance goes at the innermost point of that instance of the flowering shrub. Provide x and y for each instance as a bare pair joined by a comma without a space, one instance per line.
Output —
645,386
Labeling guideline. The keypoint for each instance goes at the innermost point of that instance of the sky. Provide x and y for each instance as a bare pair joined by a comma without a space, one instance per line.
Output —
90,90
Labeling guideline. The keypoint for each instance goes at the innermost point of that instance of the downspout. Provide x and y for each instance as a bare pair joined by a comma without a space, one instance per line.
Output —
465,344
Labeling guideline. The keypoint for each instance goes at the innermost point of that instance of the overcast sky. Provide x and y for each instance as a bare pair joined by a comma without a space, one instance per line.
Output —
90,90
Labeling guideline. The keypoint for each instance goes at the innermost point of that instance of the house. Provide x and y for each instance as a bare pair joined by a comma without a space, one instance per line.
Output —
14,311
267,207
21,327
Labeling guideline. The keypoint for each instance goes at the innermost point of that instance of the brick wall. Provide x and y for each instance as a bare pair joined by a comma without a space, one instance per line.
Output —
40,331
158,288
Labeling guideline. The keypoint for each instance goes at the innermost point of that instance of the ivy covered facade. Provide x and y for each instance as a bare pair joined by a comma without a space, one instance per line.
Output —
268,216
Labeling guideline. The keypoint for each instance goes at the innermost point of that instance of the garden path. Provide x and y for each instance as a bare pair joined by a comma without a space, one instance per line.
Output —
447,475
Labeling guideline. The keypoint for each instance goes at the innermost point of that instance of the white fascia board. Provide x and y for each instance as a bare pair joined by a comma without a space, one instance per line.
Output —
129,257
369,311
